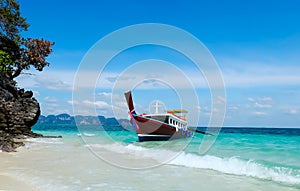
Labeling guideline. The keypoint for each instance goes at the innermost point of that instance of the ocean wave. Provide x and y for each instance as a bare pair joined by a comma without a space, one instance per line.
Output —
121,148
233,165
89,134
45,140
237,166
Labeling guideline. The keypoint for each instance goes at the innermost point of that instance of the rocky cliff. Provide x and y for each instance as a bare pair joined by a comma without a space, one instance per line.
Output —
19,111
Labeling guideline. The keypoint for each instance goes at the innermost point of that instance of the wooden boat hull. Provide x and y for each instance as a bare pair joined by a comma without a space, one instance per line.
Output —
151,130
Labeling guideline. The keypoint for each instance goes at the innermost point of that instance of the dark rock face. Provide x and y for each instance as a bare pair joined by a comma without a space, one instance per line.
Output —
19,111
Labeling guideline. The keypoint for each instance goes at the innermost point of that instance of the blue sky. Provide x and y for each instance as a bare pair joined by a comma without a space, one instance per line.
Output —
255,43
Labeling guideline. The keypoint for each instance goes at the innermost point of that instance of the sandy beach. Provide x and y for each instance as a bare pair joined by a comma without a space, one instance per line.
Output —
67,164
11,183
8,181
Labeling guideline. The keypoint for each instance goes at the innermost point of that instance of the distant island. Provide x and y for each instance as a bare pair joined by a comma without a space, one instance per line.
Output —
68,120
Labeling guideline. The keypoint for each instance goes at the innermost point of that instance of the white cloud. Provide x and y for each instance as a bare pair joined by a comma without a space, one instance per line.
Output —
292,111
93,108
54,109
258,105
265,99
198,108
97,104
260,74
233,107
251,99
52,83
260,102
51,79
252,75
36,94
259,113
73,102
102,103
104,95
274,76
50,99
221,100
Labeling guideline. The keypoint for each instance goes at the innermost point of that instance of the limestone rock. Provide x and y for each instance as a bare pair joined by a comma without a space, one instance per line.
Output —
19,111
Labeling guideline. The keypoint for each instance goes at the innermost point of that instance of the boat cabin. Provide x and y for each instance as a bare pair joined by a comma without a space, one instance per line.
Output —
179,122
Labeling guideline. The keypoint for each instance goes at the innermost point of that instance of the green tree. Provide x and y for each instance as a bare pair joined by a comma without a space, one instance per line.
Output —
5,60
18,53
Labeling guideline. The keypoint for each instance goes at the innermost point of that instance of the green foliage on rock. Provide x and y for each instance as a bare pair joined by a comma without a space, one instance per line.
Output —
5,60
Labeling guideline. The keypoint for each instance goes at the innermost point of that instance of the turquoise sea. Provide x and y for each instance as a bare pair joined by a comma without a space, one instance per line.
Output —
90,159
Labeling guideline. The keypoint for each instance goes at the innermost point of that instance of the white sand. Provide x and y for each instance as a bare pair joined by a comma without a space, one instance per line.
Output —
71,166
7,180
11,183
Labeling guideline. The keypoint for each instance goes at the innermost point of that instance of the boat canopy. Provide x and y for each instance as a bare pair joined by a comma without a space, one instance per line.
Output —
177,111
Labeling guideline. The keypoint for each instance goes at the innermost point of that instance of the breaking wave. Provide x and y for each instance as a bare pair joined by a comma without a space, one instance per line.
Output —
237,166
89,134
45,140
232,165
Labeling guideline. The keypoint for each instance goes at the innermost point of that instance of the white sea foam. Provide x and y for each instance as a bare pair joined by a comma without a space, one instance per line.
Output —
238,166
120,148
89,134
233,165
45,140
161,156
